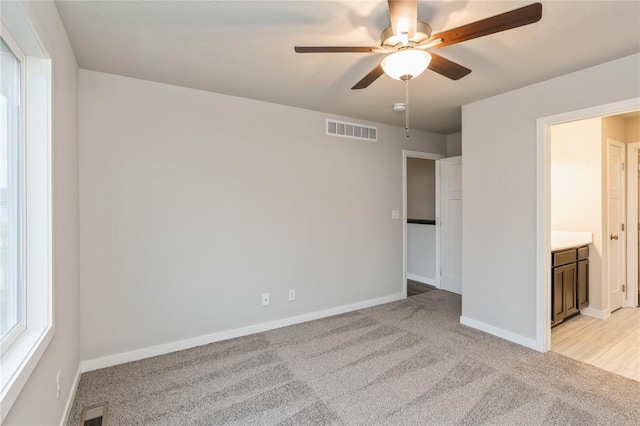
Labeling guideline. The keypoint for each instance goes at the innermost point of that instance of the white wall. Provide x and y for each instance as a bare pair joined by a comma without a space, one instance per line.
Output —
194,203
576,192
37,403
421,253
499,187
454,144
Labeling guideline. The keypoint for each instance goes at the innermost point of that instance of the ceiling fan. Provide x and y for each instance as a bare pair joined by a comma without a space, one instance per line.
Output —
406,41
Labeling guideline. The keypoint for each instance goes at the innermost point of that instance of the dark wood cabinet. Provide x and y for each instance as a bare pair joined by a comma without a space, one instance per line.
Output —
569,283
583,284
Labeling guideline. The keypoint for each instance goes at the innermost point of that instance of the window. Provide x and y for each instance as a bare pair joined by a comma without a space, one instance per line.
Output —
26,279
12,312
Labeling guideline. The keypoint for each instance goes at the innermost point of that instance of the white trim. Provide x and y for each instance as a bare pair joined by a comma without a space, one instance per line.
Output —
18,363
121,358
72,396
543,221
500,332
421,279
596,313
425,156
631,299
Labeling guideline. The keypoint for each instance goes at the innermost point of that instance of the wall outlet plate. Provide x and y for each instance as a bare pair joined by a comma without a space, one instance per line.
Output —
292,294
265,299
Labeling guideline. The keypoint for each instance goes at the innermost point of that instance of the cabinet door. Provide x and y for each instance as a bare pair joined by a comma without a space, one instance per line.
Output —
583,284
570,286
557,295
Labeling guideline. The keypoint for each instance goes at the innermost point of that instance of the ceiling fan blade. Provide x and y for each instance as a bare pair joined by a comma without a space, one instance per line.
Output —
505,21
447,68
429,44
369,78
404,17
336,49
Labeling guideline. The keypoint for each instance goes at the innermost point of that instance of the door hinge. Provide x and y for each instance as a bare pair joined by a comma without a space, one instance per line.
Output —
622,227
624,288
622,167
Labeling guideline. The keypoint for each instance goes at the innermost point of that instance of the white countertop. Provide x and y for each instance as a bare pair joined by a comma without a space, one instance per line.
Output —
563,239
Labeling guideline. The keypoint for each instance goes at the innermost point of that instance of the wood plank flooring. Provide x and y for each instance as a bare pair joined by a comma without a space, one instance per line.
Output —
415,287
612,344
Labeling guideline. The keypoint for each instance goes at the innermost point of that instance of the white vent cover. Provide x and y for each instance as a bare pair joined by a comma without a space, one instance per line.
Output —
351,130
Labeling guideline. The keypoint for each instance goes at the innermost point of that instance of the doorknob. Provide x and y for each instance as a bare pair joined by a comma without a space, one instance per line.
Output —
614,237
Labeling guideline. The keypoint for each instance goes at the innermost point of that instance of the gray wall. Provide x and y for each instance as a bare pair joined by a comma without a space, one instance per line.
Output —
499,187
454,144
194,203
37,403
421,188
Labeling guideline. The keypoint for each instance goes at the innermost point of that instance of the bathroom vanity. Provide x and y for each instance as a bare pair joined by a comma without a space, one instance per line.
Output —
570,275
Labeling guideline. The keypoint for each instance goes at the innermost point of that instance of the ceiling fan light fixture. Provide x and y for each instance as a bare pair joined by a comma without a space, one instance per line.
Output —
406,64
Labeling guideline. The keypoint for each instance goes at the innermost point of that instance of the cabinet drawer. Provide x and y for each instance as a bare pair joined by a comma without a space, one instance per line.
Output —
564,257
583,253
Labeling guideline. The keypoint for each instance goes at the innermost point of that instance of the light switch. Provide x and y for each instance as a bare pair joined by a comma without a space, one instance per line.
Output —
395,214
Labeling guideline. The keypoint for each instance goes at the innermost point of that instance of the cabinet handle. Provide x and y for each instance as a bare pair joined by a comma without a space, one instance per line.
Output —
614,237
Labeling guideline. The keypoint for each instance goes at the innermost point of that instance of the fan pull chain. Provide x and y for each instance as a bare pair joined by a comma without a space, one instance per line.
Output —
406,104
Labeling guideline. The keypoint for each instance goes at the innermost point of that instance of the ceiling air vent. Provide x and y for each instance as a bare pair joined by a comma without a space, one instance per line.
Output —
351,130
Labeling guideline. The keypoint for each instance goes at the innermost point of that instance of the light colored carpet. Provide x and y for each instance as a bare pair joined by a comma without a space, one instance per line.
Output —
407,362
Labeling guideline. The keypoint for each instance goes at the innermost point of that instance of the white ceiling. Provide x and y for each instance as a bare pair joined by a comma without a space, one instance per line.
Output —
245,49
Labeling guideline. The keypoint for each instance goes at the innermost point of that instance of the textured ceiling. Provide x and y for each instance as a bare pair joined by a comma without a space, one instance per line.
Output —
245,49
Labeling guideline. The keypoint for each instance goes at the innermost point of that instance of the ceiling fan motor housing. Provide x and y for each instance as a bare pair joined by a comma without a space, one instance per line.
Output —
389,40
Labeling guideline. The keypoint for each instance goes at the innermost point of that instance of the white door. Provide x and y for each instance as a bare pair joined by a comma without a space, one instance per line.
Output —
616,221
451,224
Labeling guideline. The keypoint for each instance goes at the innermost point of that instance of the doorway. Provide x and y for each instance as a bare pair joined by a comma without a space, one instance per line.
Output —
420,235
595,335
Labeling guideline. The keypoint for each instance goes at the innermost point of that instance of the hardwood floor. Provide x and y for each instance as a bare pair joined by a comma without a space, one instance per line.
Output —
414,287
612,344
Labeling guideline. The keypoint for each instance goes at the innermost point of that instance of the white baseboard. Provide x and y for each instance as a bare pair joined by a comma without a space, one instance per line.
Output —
72,396
502,333
121,358
421,279
596,313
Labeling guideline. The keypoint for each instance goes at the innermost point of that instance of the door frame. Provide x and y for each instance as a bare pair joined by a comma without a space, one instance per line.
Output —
425,156
543,211
633,150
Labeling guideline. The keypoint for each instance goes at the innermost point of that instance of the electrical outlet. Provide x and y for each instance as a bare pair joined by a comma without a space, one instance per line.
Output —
58,385
265,299
395,214
292,294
